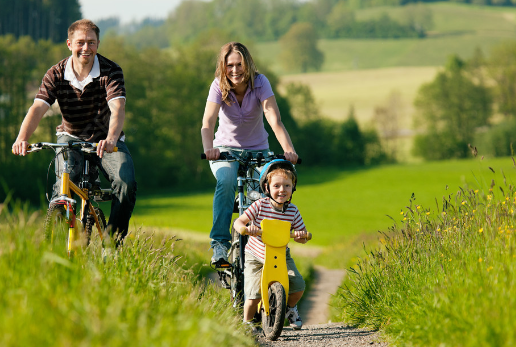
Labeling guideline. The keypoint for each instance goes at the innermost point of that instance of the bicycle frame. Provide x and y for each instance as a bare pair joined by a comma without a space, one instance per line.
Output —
84,190
86,207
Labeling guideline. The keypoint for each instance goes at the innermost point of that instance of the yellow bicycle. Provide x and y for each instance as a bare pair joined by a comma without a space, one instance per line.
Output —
67,223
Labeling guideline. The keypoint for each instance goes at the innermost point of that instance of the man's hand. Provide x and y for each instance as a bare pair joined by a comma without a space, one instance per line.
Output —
212,154
105,145
291,157
300,236
20,147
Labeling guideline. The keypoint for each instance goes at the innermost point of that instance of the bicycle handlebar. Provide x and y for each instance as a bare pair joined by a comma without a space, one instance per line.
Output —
88,147
243,231
231,157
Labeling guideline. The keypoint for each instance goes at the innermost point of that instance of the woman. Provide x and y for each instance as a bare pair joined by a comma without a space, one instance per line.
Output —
239,96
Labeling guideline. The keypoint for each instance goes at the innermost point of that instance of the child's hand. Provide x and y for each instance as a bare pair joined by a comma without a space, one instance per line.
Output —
253,230
301,236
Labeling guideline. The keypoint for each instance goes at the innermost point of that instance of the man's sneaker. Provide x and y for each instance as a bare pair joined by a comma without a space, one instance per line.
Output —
293,318
220,256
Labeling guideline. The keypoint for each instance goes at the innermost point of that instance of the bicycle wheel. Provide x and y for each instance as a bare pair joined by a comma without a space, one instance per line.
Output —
273,323
237,270
91,228
56,227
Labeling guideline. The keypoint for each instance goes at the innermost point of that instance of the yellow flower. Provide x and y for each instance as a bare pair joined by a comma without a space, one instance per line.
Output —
489,197
418,207
476,191
428,213
401,212
479,260
489,268
444,213
480,230
464,202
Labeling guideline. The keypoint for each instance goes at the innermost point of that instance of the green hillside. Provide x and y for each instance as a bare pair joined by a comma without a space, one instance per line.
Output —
338,204
458,29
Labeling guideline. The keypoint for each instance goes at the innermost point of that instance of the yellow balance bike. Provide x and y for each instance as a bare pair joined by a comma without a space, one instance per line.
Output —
275,235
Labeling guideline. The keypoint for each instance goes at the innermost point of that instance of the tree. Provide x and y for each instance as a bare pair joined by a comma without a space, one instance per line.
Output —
502,68
299,49
450,109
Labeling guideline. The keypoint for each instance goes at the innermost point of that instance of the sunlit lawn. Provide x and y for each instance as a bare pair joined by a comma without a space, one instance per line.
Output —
338,204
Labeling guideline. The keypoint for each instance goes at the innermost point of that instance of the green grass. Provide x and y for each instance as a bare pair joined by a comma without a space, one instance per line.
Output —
146,294
444,277
335,204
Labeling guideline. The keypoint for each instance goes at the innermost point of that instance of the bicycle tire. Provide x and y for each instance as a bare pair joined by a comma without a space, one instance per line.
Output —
273,323
237,272
56,227
90,224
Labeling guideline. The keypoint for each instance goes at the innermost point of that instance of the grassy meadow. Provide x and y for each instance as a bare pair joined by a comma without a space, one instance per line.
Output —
144,294
444,277
337,205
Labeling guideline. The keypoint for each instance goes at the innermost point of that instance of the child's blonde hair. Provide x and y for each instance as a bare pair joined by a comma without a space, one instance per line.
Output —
283,173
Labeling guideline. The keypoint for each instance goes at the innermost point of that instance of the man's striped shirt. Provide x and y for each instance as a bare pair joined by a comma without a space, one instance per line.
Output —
262,209
85,112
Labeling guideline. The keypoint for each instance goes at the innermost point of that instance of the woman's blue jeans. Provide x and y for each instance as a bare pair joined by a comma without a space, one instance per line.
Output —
224,198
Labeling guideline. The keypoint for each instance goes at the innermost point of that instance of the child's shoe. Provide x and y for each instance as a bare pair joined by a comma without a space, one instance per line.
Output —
255,329
293,318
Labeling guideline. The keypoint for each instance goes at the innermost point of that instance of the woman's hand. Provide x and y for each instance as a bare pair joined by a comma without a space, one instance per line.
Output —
212,153
291,157
301,236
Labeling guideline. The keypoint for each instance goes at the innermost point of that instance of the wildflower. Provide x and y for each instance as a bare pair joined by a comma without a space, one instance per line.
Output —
418,207
405,218
489,197
479,260
428,213
480,230
474,211
464,202
476,191
401,212
444,213
489,268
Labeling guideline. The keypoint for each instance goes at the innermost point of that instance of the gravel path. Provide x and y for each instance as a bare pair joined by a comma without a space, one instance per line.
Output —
324,335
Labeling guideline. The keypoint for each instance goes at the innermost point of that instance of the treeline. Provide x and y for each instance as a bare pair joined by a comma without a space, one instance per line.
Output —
469,108
39,19
166,96
269,20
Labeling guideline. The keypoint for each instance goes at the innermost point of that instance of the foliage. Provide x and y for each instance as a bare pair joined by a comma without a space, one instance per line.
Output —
450,109
299,49
137,295
442,273
47,20
502,70
499,140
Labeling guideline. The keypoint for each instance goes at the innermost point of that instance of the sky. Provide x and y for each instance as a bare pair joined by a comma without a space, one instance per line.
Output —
127,10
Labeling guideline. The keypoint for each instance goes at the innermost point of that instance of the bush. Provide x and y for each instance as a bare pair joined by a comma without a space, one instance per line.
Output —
498,140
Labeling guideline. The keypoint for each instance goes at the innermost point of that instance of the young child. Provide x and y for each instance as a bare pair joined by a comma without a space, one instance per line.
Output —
278,182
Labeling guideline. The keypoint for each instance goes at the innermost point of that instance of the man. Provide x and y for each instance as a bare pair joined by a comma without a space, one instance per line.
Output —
91,95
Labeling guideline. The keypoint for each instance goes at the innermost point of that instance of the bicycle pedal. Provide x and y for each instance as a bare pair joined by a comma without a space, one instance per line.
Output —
221,264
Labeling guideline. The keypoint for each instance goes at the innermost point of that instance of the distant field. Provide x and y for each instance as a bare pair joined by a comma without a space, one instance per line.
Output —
363,73
339,204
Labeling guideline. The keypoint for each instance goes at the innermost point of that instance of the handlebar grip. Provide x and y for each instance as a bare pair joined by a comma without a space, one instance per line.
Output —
308,235
203,156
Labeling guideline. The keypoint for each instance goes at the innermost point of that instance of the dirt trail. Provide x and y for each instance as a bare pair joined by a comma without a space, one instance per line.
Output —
317,331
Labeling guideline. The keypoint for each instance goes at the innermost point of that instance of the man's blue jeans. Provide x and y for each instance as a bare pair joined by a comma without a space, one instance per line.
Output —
118,168
224,198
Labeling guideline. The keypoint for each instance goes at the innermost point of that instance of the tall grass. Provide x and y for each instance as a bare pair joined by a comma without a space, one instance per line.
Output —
141,295
443,277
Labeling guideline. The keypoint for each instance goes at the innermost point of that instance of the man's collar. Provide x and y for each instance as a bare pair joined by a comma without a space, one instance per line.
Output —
69,75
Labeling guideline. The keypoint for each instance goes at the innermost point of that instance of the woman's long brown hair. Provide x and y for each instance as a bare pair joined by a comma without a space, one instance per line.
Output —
250,70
